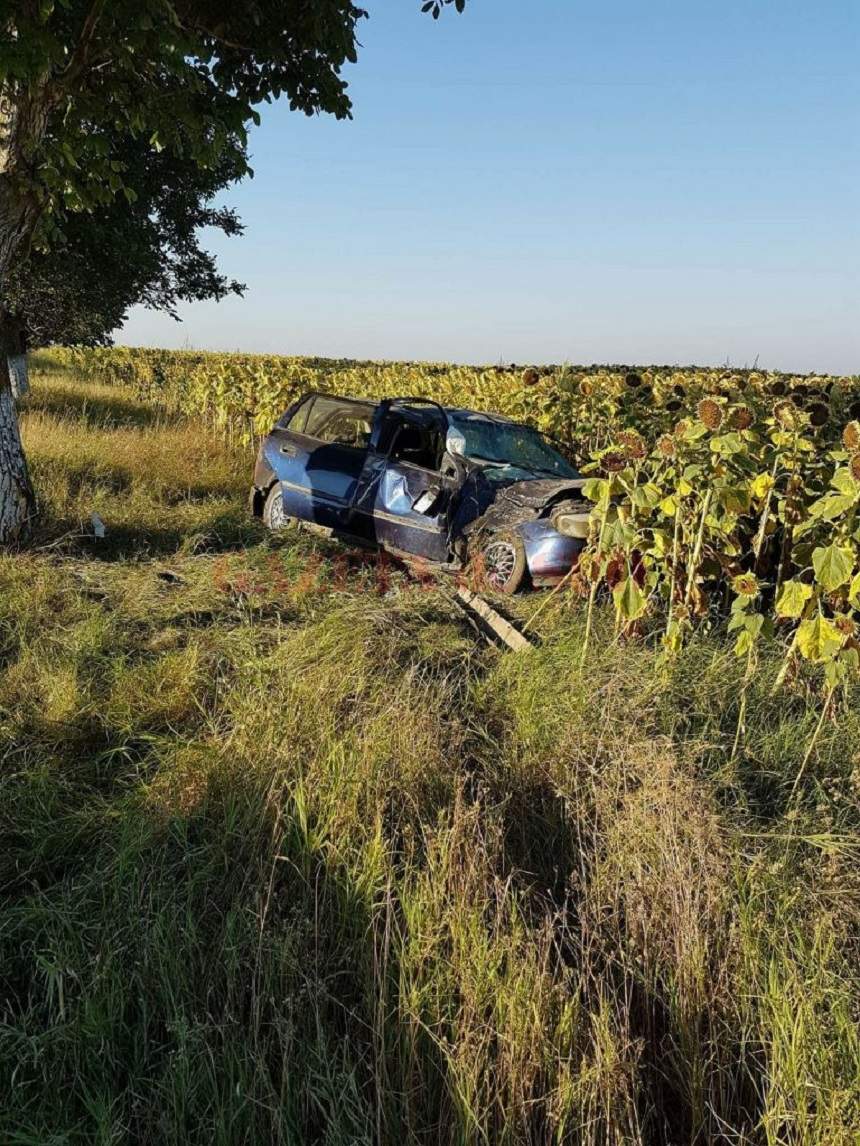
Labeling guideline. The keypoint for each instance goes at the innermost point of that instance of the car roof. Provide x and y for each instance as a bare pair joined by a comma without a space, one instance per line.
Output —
421,409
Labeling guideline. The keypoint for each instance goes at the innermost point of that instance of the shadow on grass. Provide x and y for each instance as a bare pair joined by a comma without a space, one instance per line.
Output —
262,985
225,533
96,409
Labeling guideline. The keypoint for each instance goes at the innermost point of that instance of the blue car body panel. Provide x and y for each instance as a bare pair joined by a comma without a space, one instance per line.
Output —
362,492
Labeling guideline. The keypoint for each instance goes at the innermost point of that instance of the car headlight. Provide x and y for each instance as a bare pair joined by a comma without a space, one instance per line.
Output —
572,524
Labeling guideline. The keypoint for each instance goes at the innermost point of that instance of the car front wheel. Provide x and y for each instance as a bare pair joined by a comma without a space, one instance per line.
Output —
502,562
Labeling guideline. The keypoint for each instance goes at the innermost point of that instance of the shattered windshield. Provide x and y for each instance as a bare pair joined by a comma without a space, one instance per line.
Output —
506,445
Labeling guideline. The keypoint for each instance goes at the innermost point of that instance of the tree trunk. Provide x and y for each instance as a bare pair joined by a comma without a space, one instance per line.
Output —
19,374
22,127
17,501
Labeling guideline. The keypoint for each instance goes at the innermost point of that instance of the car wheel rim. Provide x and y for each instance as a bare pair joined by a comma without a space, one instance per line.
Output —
500,559
277,517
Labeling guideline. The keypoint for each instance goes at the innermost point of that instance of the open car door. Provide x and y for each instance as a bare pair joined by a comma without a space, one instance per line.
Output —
403,498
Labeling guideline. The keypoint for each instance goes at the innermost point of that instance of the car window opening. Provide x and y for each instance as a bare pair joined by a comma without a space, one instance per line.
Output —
337,422
414,445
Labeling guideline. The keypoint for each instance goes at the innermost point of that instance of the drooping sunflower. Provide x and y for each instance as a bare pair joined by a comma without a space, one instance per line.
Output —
666,446
710,413
531,377
851,436
785,413
819,413
632,443
844,624
613,461
742,418
855,466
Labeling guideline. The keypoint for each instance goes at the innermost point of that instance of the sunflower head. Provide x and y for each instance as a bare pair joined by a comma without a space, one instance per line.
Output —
634,381
855,466
819,413
531,377
632,443
844,624
666,446
613,461
786,414
710,413
742,418
745,585
681,428
851,437
586,387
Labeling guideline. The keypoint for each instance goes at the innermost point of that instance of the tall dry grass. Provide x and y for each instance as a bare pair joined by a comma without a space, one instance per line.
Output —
287,857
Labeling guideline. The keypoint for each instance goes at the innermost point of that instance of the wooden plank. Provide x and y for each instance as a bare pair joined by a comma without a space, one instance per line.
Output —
492,620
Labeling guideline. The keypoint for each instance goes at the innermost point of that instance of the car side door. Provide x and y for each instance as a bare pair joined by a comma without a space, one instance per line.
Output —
402,497
318,456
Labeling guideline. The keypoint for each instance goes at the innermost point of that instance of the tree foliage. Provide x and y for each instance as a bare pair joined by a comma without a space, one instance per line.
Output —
185,77
143,250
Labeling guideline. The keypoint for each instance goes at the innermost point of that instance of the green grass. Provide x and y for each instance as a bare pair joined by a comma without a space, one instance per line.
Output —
288,857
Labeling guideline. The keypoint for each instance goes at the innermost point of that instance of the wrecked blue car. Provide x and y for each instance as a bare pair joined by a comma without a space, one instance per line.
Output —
445,486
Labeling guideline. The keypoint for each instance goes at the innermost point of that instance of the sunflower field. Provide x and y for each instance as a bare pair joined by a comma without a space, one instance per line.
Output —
719,495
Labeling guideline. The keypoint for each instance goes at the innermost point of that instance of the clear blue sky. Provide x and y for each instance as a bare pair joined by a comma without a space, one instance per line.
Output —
555,180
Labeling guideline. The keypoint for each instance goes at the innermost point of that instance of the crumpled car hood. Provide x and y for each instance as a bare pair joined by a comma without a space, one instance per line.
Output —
541,491
504,506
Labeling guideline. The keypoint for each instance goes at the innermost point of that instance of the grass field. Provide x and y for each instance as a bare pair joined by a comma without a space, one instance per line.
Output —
288,857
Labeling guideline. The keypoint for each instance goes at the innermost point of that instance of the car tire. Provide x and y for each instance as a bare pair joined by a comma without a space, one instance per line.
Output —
274,517
502,562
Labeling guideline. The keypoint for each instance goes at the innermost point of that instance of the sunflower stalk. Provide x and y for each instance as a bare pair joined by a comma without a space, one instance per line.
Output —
740,731
697,550
815,736
592,594
673,576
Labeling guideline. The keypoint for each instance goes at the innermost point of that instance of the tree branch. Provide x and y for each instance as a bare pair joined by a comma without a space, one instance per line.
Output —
80,56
